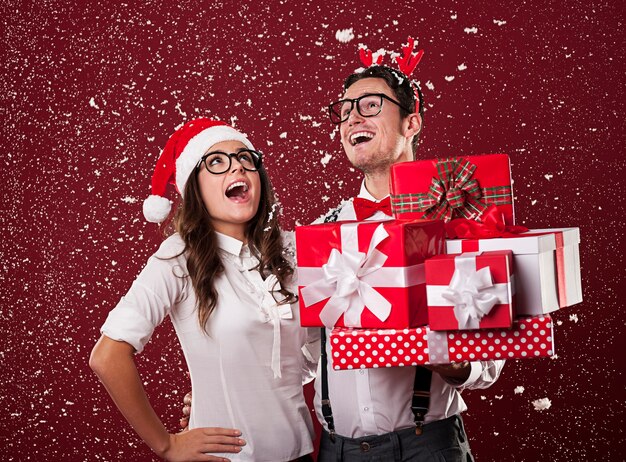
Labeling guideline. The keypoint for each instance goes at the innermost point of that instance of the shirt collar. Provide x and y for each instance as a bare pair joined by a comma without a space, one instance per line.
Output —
365,194
232,245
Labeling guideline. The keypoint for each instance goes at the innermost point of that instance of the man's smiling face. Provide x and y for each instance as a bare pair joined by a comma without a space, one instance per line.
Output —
374,143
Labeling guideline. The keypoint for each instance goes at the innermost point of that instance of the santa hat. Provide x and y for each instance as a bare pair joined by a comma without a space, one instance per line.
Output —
181,155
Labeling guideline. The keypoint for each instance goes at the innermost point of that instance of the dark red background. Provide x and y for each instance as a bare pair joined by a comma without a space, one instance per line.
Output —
90,94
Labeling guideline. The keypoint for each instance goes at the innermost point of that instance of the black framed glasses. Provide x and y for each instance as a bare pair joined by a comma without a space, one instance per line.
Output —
368,105
218,162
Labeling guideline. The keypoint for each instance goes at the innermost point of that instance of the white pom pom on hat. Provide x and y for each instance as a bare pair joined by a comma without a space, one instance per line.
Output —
181,154
156,208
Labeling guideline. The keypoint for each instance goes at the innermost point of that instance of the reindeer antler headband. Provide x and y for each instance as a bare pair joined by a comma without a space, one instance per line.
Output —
406,63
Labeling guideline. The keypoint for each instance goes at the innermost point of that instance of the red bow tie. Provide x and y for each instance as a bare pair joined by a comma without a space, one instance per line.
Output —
365,208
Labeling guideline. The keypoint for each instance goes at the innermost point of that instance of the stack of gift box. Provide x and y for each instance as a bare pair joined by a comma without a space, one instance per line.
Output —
449,279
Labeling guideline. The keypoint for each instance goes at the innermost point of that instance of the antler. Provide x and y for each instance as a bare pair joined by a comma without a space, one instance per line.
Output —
367,58
408,62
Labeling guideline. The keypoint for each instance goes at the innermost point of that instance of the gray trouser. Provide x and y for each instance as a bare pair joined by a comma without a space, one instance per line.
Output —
442,440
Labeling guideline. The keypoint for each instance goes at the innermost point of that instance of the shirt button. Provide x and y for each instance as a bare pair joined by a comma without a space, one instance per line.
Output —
366,408
361,372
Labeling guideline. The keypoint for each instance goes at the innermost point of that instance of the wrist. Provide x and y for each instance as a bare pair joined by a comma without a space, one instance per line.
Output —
458,376
163,446
455,374
472,373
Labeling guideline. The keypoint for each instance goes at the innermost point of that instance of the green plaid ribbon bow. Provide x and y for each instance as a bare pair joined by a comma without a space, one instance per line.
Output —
454,194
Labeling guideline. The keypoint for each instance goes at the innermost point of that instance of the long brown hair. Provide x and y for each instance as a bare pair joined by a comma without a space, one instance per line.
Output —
193,223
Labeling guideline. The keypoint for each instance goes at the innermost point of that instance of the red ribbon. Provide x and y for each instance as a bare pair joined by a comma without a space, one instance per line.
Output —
492,225
560,269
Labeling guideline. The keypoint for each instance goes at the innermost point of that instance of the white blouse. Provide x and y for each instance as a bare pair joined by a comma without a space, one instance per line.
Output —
247,373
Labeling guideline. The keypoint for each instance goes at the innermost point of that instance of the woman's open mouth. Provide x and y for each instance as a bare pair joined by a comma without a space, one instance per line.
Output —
238,191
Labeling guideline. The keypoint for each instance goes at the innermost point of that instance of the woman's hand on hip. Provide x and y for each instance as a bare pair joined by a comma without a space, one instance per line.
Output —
197,444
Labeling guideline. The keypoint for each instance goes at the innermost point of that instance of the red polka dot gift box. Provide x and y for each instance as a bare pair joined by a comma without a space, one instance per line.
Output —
445,189
530,337
365,274
471,290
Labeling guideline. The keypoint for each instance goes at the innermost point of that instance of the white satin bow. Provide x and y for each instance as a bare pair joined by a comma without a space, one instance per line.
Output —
472,292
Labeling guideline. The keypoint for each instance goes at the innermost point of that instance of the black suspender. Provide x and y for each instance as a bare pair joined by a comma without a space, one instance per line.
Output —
327,412
421,396
421,386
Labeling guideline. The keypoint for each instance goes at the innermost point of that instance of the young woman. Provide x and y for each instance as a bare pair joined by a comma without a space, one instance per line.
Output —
226,283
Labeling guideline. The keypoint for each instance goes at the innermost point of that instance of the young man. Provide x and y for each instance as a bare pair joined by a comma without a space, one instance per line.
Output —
380,119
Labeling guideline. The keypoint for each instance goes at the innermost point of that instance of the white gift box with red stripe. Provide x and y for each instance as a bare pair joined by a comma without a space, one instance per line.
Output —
350,348
547,266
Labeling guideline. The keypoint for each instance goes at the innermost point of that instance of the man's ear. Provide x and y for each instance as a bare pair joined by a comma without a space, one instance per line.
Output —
413,125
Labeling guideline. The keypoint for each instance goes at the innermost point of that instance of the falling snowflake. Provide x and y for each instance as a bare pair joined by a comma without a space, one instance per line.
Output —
542,404
344,35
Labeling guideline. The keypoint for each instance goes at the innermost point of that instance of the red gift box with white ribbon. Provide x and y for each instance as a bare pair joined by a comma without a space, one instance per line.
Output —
460,187
472,290
365,274
530,337
547,266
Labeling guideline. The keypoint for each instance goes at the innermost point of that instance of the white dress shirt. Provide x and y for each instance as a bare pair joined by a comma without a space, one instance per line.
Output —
376,401
247,373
